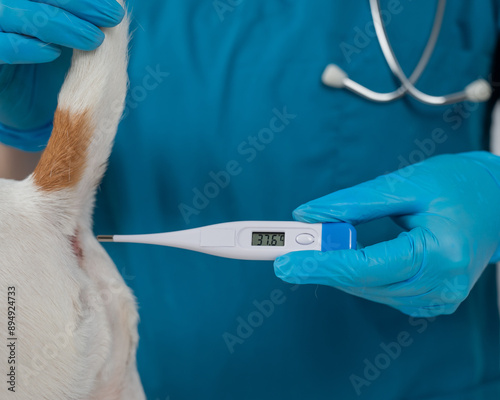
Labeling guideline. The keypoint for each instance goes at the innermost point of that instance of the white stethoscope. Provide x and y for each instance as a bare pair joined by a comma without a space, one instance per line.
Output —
334,76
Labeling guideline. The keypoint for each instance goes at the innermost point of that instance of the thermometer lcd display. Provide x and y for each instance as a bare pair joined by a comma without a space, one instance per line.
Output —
268,238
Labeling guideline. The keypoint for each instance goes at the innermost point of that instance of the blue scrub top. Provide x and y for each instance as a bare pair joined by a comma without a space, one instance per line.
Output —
227,120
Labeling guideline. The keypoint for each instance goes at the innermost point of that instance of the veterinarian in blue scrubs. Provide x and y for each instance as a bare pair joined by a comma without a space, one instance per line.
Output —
226,120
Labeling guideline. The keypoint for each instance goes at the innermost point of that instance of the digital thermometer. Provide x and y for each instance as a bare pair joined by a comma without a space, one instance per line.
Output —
251,240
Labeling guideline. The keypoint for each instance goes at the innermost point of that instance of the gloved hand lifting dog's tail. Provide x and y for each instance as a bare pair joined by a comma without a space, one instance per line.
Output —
65,311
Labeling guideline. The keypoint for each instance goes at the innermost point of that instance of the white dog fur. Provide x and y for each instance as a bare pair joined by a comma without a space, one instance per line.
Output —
75,318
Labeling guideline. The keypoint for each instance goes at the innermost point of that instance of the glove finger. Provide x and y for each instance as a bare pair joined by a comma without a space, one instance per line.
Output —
429,311
49,24
412,298
103,13
379,265
361,203
417,305
18,49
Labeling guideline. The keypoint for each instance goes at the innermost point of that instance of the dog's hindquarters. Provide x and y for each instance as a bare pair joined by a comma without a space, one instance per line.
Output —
89,109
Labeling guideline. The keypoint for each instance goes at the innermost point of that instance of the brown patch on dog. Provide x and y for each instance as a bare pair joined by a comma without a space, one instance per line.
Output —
63,161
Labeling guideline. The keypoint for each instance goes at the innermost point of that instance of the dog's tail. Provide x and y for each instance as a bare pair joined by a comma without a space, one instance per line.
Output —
89,109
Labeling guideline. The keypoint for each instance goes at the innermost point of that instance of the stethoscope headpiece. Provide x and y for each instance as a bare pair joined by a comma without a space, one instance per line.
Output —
334,76
478,91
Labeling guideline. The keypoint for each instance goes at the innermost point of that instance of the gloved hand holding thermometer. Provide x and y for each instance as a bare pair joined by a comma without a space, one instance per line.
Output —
32,36
450,206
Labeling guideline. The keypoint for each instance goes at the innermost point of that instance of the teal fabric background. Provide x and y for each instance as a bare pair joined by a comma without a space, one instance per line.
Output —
238,89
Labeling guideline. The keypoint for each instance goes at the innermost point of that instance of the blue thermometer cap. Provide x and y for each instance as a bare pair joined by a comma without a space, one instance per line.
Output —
338,236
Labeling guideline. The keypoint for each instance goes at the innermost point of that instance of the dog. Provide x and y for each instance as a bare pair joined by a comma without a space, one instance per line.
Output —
69,322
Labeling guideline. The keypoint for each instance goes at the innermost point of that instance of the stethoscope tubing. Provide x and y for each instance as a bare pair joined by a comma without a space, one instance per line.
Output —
477,91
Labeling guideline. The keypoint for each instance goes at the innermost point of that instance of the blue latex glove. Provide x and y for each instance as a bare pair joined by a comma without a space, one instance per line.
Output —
33,34
450,206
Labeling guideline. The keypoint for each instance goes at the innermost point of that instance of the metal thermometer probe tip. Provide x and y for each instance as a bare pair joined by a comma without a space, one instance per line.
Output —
105,238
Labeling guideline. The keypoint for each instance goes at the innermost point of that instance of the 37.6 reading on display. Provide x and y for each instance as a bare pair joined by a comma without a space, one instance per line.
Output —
268,238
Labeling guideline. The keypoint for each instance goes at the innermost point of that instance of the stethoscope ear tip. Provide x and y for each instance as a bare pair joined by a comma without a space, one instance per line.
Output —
334,76
478,91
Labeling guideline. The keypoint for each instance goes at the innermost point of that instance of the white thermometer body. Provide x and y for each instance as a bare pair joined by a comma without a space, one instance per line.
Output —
251,240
